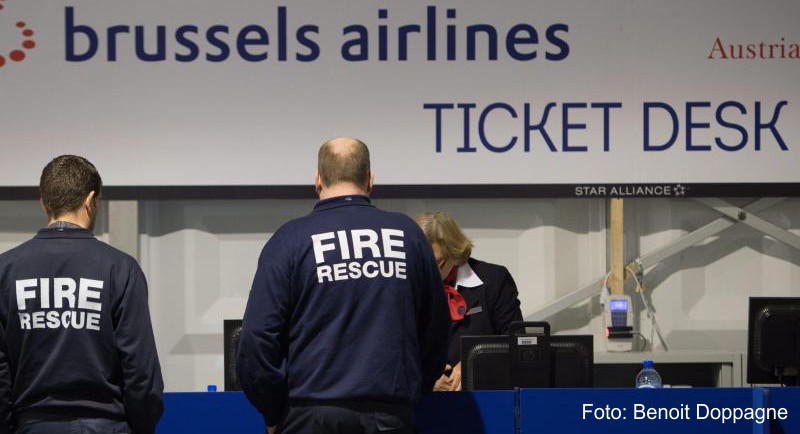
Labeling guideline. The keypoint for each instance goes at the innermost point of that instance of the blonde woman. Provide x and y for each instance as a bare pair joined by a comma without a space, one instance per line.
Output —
483,297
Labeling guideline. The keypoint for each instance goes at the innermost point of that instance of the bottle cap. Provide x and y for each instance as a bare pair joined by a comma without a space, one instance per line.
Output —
648,363
212,388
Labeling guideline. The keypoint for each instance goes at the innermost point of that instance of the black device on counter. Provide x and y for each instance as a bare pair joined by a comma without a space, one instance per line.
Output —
529,357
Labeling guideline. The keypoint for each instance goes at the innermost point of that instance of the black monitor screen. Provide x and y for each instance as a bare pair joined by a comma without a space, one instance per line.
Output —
773,340
573,360
485,363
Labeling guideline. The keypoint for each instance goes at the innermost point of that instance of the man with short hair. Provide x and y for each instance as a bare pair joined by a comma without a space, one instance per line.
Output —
77,353
347,321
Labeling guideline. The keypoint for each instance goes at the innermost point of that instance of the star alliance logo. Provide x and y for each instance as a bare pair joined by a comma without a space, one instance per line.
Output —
16,54
632,190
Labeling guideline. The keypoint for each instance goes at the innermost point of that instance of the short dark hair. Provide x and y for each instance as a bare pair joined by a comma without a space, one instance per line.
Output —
350,166
65,183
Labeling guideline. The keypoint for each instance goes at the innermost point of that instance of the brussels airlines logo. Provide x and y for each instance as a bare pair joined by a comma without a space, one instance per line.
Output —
293,40
15,54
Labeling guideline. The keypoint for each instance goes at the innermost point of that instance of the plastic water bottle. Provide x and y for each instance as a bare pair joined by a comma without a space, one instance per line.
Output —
648,377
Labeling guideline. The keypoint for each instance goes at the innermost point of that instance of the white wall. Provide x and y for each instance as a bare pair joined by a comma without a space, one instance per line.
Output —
200,256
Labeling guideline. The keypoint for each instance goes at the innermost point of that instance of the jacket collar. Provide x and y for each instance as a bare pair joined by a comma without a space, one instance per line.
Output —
64,232
466,277
61,224
339,201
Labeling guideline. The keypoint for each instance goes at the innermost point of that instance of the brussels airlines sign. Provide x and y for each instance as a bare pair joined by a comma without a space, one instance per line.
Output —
597,96
255,43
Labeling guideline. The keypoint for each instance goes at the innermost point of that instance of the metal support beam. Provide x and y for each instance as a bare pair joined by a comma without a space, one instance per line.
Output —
742,216
566,301
701,234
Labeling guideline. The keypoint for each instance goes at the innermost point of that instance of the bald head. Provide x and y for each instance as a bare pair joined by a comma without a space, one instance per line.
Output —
344,160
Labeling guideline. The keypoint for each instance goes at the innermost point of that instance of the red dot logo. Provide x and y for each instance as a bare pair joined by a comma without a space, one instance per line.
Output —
17,54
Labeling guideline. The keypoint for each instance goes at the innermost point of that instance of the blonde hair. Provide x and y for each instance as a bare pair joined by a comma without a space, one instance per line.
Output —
441,229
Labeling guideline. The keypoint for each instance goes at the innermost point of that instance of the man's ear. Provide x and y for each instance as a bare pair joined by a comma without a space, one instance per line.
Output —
90,200
317,182
371,181
90,203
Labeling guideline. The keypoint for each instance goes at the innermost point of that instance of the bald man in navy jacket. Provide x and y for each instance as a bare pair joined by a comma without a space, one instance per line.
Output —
346,323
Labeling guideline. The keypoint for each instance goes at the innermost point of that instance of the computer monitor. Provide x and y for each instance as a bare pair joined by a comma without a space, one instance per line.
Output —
573,360
486,363
232,329
773,340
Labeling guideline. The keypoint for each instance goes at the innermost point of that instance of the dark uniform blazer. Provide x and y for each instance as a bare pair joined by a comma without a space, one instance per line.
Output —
492,303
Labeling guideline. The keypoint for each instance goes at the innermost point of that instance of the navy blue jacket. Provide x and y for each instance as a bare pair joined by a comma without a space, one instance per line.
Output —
75,334
347,304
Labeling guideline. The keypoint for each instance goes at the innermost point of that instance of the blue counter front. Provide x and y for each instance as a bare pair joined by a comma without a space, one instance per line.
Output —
490,412
212,412
788,398
539,411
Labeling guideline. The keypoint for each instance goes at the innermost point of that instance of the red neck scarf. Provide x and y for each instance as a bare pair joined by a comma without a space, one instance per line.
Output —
458,306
